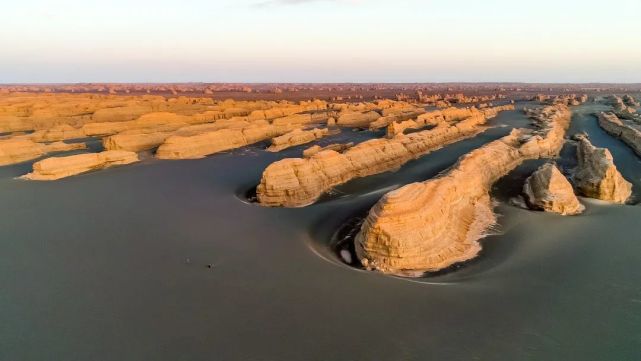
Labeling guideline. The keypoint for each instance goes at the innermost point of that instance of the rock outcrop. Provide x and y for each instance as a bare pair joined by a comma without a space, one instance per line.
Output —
61,167
296,182
571,99
296,137
395,128
17,150
547,189
597,177
630,101
431,225
357,119
624,107
337,147
627,131
395,115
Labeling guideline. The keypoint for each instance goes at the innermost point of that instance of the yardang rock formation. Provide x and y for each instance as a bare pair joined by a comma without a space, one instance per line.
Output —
431,225
296,182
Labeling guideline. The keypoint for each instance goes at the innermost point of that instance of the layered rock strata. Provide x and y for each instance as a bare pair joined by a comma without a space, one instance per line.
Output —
296,182
357,119
431,225
597,177
197,144
61,167
547,189
296,137
17,150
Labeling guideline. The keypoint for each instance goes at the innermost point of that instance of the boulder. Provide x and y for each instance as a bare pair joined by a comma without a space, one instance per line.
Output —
597,177
547,189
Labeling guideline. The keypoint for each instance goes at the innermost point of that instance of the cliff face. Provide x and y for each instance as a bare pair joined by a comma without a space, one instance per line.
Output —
296,182
62,167
548,190
17,150
431,225
597,177
621,129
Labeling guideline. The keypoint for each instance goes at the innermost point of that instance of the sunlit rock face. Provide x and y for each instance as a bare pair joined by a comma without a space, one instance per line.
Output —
357,119
337,147
597,177
296,137
198,142
431,225
628,132
17,150
61,167
548,190
570,99
624,107
296,182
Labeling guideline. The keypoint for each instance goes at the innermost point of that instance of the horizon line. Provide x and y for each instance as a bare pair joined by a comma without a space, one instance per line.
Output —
328,83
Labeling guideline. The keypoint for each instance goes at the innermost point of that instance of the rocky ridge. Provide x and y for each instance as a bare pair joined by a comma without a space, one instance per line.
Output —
296,182
431,225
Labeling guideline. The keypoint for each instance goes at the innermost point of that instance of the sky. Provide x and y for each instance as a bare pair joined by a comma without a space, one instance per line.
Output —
53,41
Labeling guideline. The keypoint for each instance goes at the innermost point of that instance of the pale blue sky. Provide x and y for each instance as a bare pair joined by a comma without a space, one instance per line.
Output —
320,41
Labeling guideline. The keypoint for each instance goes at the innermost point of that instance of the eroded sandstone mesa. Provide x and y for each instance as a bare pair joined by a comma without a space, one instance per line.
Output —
623,129
596,176
296,137
61,167
431,225
17,150
547,189
296,182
